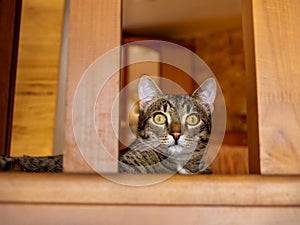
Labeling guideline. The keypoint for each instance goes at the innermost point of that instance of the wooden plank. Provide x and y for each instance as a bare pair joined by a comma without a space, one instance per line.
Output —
37,73
252,111
109,214
273,68
10,16
58,142
94,28
178,190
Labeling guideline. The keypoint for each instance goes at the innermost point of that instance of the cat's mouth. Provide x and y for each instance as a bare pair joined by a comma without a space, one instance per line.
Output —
180,149
173,145
175,148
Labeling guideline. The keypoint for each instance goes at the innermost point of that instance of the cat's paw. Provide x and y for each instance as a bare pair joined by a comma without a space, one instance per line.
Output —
181,170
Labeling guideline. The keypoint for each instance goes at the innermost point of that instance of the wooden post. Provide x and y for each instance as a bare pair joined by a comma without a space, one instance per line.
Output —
272,47
94,28
10,16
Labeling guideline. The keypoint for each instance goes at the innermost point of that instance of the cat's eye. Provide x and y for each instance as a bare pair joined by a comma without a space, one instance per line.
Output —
159,119
192,120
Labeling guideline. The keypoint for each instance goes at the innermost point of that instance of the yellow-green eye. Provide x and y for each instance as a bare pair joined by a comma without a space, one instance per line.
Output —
192,120
159,119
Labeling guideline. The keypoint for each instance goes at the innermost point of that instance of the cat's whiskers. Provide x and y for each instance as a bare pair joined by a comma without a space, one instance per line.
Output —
173,131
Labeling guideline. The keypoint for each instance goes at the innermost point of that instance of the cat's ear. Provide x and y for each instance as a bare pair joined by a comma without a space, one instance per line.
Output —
148,90
207,92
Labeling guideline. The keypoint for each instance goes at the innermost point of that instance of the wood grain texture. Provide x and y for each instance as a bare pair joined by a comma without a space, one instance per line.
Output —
89,199
276,34
94,28
146,215
212,190
231,159
37,73
10,16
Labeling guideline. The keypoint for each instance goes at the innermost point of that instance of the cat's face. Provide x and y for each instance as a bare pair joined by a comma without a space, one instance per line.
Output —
175,124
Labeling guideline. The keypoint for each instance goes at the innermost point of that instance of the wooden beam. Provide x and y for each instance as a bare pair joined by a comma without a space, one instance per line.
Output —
10,16
273,67
94,29
146,215
203,190
208,199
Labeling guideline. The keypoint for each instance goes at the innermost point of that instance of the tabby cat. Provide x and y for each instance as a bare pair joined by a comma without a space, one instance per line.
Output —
50,164
172,135
173,131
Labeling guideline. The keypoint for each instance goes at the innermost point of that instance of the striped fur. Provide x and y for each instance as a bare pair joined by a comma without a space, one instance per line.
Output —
175,145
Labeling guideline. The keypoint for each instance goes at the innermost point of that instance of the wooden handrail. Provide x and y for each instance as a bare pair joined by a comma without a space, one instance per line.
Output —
204,190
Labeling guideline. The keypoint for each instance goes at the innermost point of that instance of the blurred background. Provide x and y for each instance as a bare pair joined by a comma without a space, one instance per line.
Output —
211,28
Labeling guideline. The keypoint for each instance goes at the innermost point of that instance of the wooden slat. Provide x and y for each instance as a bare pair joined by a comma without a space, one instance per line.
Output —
37,72
179,190
94,28
252,111
276,47
136,215
10,16
58,142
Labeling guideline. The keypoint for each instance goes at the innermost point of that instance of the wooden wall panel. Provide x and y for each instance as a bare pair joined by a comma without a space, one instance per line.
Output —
276,70
223,52
37,73
231,159
94,28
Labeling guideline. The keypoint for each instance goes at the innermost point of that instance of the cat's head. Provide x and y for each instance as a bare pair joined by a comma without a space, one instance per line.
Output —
175,124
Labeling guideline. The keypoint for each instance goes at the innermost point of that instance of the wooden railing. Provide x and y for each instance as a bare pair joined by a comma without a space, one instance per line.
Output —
272,45
208,199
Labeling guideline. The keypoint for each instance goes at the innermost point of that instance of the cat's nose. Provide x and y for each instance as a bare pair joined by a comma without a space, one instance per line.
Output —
176,135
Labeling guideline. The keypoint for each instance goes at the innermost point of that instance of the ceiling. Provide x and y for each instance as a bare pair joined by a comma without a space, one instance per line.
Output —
177,18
